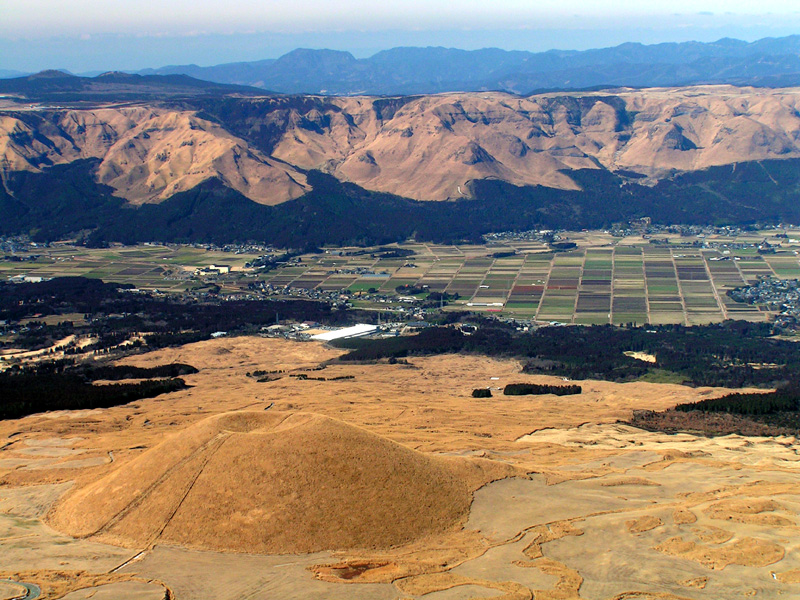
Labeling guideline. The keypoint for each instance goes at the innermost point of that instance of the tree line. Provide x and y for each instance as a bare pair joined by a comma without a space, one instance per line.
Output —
528,389
726,354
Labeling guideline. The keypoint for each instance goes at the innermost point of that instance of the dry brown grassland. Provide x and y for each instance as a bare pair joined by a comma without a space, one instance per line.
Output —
392,484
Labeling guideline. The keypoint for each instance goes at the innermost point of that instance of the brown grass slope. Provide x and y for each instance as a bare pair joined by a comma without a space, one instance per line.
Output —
272,482
427,147
433,146
147,154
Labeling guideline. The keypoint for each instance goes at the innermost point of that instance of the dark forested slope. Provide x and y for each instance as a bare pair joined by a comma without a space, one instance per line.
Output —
65,199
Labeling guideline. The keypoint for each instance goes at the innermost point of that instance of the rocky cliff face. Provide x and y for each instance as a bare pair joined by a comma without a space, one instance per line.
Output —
426,148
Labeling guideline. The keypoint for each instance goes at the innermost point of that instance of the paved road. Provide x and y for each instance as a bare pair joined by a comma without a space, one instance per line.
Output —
34,591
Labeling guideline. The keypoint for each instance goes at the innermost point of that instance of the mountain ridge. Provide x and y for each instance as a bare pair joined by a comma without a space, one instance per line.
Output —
320,169
417,70
53,84
419,147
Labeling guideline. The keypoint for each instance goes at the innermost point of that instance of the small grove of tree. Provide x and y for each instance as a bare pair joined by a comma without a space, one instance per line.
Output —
786,399
482,393
112,372
563,246
25,394
410,290
62,385
437,299
525,389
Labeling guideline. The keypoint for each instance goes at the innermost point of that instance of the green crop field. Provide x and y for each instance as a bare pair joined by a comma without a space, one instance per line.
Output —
603,280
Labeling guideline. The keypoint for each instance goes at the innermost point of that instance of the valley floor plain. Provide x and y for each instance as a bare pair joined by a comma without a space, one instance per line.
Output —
625,278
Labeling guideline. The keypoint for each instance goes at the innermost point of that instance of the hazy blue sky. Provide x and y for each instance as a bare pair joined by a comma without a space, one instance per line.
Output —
85,35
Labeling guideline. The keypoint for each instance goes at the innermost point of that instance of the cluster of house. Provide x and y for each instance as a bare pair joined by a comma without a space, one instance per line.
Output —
776,294
232,248
340,297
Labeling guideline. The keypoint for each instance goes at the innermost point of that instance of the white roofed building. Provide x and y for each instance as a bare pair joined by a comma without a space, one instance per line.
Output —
348,332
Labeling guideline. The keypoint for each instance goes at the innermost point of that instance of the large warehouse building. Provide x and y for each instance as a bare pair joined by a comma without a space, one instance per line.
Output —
348,332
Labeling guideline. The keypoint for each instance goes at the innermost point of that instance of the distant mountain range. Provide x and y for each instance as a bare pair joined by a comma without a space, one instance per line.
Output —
142,158
770,62
55,85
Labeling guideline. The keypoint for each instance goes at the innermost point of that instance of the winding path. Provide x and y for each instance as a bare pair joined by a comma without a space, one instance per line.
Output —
34,591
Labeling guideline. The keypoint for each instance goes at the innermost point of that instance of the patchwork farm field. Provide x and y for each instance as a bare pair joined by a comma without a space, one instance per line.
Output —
604,279
166,268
